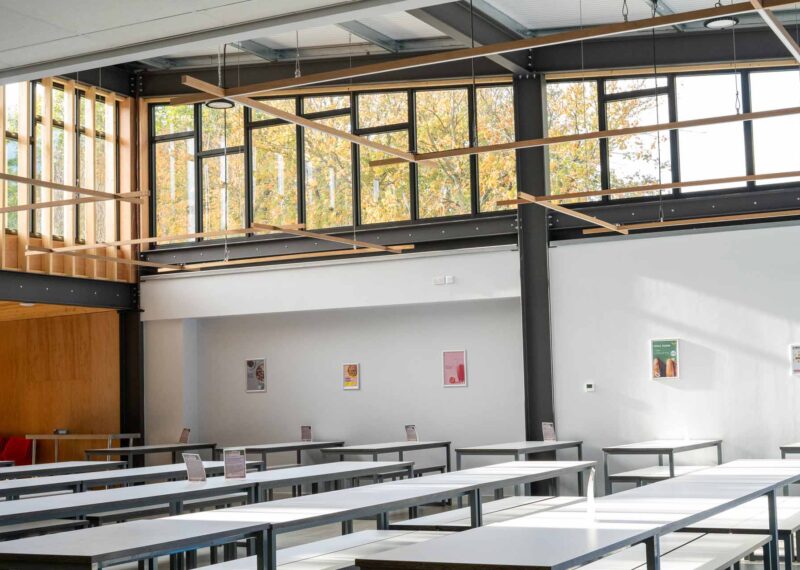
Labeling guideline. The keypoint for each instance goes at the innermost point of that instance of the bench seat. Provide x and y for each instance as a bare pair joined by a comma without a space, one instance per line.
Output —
493,512
653,474
22,530
335,553
121,515
687,551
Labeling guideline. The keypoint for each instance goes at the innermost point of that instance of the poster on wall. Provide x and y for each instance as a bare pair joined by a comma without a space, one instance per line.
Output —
454,368
351,377
256,375
664,359
795,353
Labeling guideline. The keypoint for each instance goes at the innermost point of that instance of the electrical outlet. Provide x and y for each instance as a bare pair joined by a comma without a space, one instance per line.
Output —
588,387
449,279
438,280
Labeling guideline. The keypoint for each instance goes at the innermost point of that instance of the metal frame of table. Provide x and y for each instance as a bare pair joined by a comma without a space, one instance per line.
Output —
660,448
399,447
62,468
55,438
130,452
578,534
297,446
146,539
12,489
522,450
7,464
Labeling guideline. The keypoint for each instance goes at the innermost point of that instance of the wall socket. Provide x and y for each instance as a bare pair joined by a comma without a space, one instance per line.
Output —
588,387
444,280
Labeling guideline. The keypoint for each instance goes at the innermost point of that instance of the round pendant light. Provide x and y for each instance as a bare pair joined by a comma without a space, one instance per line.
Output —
219,104
723,23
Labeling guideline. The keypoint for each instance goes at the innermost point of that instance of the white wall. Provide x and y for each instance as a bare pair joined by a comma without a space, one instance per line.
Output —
731,297
393,321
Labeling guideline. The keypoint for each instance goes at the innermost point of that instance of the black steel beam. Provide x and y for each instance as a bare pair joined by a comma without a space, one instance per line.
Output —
165,83
116,79
671,49
38,288
533,246
460,23
131,352
714,203
478,231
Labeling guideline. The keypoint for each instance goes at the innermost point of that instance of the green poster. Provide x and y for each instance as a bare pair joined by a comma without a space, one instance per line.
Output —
664,358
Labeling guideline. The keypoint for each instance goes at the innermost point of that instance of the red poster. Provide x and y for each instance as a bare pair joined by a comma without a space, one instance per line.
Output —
455,368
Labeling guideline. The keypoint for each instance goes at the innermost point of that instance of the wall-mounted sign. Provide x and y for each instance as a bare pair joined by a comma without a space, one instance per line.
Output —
351,376
454,368
256,370
664,359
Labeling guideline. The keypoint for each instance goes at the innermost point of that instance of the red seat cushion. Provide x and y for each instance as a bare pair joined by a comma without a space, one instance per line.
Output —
3,441
18,450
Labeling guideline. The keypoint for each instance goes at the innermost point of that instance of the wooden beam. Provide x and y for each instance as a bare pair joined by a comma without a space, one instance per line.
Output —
546,141
662,186
126,196
94,257
700,221
297,120
778,28
668,69
491,49
289,257
140,241
335,239
530,198
55,204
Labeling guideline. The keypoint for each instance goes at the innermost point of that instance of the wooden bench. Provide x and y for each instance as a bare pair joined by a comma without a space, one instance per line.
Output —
493,511
338,552
687,551
23,530
110,517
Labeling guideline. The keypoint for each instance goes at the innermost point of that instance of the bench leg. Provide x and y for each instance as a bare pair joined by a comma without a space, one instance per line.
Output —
766,548
347,527
787,552
229,551
653,551
214,555
191,559
382,521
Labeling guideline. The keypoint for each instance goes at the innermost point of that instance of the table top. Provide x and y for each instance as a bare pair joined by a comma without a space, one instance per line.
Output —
791,447
288,446
89,436
155,448
163,536
518,447
60,468
386,447
570,536
752,517
31,485
662,446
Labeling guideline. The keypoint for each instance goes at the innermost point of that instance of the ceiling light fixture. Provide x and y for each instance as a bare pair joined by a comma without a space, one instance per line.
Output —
722,23
221,104
27,304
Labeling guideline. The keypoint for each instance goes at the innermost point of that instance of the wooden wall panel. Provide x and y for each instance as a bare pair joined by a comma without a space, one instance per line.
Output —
60,372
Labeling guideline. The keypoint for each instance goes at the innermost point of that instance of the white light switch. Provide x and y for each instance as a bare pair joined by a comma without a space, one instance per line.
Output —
449,279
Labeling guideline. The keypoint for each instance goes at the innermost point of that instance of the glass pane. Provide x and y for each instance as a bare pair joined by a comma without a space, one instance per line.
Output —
38,100
497,170
12,107
288,105
275,174
442,124
385,190
713,151
58,104
223,192
103,181
634,84
84,150
325,103
214,127
84,110
38,172
175,187
328,170
12,188
633,160
169,119
573,166
60,176
773,152
376,109
100,116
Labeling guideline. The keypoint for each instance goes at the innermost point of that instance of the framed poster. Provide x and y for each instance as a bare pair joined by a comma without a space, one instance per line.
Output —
351,377
664,359
235,463
454,368
195,470
795,354
256,375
